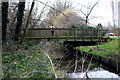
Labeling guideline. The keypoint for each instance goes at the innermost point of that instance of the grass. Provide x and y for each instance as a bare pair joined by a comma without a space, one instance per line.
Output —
107,50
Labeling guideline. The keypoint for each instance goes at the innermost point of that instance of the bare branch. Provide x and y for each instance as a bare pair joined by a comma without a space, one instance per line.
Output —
62,58
50,61
76,61
92,8
40,14
52,8
95,17
89,66
66,67
89,10
84,6
72,65
83,12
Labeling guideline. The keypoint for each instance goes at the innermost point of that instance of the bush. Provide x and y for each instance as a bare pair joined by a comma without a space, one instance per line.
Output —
83,27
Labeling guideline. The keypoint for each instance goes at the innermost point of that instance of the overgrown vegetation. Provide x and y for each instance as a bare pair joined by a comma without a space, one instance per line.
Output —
107,50
26,61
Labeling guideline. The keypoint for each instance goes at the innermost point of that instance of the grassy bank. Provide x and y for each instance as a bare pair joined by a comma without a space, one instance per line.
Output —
107,50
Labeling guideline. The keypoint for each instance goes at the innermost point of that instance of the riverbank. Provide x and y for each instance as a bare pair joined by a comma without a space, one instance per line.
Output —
106,53
107,50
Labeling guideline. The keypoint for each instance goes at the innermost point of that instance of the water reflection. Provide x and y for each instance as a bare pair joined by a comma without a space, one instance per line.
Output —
94,73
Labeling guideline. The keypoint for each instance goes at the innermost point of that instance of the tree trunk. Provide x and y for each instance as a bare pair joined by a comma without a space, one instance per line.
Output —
20,15
1,70
86,21
26,26
4,20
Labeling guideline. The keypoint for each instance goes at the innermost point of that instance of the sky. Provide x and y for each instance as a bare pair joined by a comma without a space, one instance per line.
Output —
102,11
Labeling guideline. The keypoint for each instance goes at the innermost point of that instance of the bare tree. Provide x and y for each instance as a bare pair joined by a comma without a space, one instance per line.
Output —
113,13
58,8
109,26
28,19
36,15
89,11
12,10
39,17
72,18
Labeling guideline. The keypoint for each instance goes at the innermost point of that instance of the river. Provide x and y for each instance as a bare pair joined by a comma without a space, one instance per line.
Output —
97,70
94,73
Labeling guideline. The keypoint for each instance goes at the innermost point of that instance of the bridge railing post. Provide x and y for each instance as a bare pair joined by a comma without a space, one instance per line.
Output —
80,32
67,34
76,33
87,32
98,34
83,34
92,35
101,35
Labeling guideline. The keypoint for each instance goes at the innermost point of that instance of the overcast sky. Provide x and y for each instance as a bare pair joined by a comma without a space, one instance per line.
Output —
103,9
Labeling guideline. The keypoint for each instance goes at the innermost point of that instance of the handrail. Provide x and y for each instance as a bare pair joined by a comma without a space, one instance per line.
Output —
67,33
66,29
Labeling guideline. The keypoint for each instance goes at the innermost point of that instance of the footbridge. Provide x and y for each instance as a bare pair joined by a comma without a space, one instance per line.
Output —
66,34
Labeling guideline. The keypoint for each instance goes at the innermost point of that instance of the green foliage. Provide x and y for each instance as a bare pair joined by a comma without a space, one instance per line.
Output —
25,61
60,41
73,26
83,27
107,50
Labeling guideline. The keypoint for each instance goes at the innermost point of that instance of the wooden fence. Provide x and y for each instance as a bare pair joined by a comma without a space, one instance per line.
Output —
65,32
